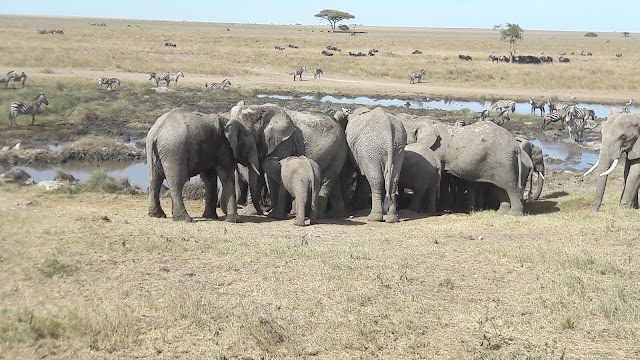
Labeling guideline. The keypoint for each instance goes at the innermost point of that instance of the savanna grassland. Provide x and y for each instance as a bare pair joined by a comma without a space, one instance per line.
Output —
85,273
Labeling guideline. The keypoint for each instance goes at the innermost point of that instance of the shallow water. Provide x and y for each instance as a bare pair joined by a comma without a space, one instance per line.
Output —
571,157
602,110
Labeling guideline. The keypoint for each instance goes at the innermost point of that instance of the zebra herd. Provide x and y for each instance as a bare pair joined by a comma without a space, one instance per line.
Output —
317,72
166,77
11,77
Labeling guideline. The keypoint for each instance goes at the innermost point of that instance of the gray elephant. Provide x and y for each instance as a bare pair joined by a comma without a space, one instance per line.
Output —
482,152
279,133
534,163
300,178
421,173
182,144
620,133
377,140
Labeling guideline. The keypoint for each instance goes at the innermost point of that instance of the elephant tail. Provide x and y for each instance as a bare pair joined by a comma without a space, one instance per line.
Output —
388,174
153,157
519,187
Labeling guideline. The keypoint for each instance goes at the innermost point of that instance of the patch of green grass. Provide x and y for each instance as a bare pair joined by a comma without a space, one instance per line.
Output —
59,104
100,182
23,325
54,267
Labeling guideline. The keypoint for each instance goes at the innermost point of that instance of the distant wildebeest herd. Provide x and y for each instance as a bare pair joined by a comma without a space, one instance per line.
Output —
50,32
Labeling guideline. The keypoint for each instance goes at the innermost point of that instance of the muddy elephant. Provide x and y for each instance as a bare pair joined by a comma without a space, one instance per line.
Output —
279,133
421,173
481,152
620,133
182,144
301,179
536,159
376,141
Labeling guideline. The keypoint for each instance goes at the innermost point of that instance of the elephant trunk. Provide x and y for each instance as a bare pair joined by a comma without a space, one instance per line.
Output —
604,168
254,188
536,195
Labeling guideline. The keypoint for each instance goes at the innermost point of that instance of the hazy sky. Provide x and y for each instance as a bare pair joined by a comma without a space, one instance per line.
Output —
580,15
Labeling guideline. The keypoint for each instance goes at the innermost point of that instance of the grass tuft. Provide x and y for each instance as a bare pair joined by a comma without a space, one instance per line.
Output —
54,267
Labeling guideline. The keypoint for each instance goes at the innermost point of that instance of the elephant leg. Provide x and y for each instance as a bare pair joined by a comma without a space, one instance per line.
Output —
228,197
430,200
392,213
280,209
210,180
480,203
176,184
155,209
417,200
517,208
629,197
472,191
377,197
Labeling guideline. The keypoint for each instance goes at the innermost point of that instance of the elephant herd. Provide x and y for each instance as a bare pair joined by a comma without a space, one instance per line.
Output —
268,156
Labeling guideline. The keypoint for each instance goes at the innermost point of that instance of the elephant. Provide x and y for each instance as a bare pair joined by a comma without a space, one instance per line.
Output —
620,133
481,152
376,141
535,164
279,133
300,178
182,144
421,173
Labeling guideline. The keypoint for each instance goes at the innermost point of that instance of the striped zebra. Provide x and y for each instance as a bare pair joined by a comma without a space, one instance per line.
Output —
564,114
502,117
109,82
19,108
298,72
584,114
501,105
7,78
159,77
416,76
317,72
174,77
22,77
555,106
537,105
218,86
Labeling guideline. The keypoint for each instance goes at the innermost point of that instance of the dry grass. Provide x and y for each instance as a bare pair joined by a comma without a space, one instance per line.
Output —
248,50
116,284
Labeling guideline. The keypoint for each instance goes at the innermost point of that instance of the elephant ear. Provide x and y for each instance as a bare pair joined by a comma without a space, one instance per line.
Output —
634,152
242,144
426,134
279,127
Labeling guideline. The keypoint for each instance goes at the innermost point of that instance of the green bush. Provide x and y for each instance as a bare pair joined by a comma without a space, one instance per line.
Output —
100,182
591,35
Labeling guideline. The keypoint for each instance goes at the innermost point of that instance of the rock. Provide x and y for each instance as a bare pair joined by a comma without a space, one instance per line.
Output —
18,146
161,89
20,177
5,148
62,176
51,185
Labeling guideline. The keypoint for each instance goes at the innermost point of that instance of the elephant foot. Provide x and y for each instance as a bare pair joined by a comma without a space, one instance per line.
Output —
232,218
374,216
313,221
298,222
505,207
157,214
516,212
274,215
392,218
210,214
251,210
182,217
336,214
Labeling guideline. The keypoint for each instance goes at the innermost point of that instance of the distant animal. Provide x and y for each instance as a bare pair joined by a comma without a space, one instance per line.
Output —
218,86
22,77
298,72
333,48
503,58
625,109
31,107
291,46
174,77
483,114
465,57
502,117
562,115
416,76
460,123
279,47
327,53
109,82
170,44
537,105
493,58
555,106
585,53
416,52
158,77
563,59
317,72
618,55
10,77
501,105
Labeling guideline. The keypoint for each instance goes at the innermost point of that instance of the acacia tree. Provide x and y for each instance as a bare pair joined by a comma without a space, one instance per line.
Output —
334,16
511,33
625,34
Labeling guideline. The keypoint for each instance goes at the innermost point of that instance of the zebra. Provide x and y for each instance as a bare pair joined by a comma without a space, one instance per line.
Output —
218,86
298,72
493,58
556,106
563,114
317,72
109,82
7,78
584,114
416,76
537,105
174,77
483,115
22,77
159,77
504,115
503,104
19,108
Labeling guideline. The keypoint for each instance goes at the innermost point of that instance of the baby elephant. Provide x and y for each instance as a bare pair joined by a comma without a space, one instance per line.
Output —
300,177
420,173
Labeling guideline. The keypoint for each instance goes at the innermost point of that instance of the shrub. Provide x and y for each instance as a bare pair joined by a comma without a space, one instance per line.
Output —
591,35
100,182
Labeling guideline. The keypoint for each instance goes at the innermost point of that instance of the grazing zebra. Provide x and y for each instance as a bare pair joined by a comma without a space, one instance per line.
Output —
218,86
22,77
537,105
174,77
317,72
18,108
416,76
109,82
327,53
504,115
298,72
563,114
501,105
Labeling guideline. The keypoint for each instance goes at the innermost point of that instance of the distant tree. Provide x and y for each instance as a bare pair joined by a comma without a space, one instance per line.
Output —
334,16
343,27
497,27
625,34
591,35
511,33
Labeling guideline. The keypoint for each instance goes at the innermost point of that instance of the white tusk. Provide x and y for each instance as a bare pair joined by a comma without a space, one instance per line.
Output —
541,175
255,169
592,168
610,170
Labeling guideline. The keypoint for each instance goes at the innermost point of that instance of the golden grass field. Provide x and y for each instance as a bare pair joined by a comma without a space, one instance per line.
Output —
90,276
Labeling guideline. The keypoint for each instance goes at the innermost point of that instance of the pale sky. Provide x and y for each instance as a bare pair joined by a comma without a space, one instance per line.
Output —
578,15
